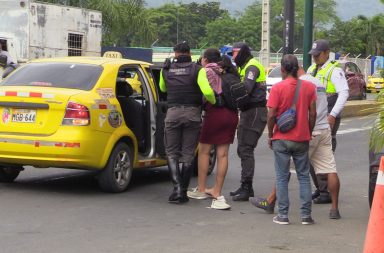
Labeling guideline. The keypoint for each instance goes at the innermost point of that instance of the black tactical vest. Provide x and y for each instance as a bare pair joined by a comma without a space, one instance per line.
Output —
182,87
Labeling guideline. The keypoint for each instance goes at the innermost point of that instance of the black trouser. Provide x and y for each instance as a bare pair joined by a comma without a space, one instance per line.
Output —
181,133
251,127
323,178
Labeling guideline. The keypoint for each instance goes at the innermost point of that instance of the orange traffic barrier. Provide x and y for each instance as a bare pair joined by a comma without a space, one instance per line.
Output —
375,232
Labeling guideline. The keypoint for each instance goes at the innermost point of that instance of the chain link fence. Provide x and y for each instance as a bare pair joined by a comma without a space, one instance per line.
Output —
160,53
364,65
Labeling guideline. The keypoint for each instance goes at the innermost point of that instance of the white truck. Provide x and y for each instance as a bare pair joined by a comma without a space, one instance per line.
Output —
31,29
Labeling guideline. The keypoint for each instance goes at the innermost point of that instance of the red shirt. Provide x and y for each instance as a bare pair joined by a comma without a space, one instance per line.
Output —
281,98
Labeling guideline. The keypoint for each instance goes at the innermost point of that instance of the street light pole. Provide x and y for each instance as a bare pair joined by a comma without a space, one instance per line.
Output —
308,31
289,21
177,26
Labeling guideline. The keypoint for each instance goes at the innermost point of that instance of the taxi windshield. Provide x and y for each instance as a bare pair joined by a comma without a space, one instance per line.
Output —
59,75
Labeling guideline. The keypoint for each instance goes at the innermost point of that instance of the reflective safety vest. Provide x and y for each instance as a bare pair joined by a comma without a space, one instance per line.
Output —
182,87
254,62
324,75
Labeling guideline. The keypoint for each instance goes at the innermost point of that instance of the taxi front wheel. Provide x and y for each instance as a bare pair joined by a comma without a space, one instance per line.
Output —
9,174
117,174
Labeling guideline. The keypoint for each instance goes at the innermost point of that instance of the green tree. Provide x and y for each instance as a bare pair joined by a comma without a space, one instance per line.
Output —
247,27
184,22
250,24
324,15
222,31
360,35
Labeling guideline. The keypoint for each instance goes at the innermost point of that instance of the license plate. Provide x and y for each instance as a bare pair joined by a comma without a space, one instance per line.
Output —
23,116
378,86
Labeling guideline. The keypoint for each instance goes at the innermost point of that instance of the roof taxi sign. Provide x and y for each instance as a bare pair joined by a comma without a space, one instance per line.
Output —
113,54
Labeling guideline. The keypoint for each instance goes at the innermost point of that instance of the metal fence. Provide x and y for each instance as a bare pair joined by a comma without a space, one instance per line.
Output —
160,53
274,59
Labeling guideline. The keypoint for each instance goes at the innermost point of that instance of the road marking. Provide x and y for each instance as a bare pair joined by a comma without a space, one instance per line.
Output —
353,130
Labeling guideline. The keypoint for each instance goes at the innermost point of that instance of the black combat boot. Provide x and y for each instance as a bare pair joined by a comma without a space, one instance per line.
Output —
174,172
243,193
324,196
186,172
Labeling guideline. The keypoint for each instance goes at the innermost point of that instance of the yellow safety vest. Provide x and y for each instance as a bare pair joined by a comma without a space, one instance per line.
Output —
324,75
256,63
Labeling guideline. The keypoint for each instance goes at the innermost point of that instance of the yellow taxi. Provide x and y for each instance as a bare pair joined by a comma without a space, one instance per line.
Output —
375,82
82,113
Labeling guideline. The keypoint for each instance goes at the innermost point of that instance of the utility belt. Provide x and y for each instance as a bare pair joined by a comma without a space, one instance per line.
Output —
331,94
331,99
183,106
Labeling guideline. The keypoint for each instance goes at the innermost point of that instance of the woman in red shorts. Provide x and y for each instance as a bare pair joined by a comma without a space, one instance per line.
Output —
219,127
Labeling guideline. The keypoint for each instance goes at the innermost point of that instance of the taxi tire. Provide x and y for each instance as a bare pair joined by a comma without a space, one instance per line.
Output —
108,179
212,162
9,174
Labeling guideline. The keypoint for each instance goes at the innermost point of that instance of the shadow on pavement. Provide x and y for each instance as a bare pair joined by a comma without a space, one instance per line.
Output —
79,182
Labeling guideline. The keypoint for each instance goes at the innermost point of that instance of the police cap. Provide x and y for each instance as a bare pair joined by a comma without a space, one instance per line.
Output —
319,46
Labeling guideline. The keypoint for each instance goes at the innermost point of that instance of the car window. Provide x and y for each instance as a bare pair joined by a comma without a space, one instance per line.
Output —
59,75
135,79
376,75
276,72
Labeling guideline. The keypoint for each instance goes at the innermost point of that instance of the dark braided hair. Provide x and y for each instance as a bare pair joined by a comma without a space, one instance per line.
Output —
212,55
227,65
290,64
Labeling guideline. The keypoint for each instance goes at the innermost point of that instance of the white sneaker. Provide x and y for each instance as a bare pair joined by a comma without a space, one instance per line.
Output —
195,194
220,204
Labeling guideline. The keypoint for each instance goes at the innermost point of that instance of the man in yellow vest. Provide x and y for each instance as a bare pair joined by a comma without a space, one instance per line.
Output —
253,116
336,85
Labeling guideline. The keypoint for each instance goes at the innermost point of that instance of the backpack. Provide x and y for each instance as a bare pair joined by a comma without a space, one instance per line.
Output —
240,94
228,80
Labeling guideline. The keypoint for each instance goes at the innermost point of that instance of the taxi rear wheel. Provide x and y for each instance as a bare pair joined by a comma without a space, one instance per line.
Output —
9,174
117,174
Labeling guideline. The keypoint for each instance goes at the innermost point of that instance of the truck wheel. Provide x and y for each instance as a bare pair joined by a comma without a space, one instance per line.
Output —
9,174
212,162
117,173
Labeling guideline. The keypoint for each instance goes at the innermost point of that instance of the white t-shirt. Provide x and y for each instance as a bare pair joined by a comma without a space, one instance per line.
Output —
321,103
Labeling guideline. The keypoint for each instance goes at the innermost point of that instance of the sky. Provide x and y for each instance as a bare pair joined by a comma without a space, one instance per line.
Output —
345,8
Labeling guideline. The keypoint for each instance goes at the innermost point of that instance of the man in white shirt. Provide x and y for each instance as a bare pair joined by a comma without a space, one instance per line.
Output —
320,152
333,78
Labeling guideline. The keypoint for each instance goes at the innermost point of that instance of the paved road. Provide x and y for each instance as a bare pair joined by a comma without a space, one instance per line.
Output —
371,96
63,211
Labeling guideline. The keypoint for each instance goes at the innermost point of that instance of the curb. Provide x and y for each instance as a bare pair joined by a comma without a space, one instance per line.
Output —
360,108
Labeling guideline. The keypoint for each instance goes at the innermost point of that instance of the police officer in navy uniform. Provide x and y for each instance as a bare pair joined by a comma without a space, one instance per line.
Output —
185,83
333,78
253,116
